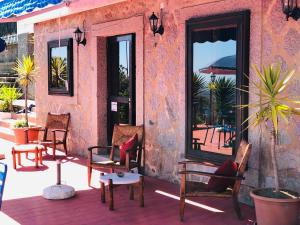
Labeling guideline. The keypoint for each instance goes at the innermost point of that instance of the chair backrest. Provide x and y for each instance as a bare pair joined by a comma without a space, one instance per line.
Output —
57,121
3,172
122,133
242,156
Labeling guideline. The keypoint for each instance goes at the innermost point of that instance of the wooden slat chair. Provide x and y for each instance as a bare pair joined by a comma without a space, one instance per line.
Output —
121,133
55,132
196,189
3,172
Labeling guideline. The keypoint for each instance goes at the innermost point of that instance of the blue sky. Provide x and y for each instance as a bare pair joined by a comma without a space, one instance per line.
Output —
207,53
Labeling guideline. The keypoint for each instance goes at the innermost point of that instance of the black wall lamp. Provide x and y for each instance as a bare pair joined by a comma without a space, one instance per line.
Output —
290,9
78,36
153,19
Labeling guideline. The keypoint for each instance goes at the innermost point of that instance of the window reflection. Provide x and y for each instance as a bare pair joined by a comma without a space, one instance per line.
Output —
124,68
59,78
214,90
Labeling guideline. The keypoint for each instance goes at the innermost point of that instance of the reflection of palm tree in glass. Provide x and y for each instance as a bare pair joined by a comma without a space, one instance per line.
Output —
123,91
224,92
59,72
198,87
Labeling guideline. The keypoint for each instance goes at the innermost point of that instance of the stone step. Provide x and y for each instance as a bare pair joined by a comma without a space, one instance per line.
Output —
8,79
7,134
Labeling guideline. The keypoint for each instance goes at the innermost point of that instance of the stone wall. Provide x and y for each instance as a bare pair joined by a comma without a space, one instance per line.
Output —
161,79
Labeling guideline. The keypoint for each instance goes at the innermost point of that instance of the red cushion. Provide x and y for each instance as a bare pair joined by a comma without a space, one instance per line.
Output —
129,144
228,168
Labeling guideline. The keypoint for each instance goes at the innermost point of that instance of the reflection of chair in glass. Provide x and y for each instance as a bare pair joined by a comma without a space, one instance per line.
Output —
196,140
190,188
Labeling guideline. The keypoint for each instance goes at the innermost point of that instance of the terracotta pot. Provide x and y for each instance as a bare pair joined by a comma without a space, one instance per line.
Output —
20,135
273,211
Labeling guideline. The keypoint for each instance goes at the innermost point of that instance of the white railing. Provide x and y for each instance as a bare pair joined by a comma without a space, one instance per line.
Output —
10,39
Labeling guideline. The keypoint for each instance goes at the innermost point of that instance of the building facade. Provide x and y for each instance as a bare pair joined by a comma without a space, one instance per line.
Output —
160,87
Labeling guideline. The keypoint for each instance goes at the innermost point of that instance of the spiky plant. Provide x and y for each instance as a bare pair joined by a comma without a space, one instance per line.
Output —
26,70
274,106
224,92
59,69
8,95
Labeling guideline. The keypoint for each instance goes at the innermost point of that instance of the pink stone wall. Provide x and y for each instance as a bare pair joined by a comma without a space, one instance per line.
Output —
161,78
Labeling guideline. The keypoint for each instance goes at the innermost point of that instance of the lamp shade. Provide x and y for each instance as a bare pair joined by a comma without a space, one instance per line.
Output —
78,35
153,19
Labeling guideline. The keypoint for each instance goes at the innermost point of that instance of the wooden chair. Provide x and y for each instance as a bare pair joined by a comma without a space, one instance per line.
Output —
55,132
121,133
193,189
3,172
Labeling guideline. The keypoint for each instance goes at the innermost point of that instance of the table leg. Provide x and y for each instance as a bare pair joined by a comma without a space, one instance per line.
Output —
111,194
102,190
36,158
41,156
131,192
141,184
19,159
14,159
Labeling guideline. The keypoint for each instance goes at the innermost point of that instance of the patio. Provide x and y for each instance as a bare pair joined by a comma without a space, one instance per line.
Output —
23,203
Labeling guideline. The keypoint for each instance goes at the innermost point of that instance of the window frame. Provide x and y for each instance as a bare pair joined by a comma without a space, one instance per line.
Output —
69,44
241,20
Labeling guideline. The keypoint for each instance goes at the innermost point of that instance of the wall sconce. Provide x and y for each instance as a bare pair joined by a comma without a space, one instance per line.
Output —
290,9
78,36
153,19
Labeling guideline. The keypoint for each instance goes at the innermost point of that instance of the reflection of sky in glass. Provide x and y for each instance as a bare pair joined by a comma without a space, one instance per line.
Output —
207,53
59,52
124,54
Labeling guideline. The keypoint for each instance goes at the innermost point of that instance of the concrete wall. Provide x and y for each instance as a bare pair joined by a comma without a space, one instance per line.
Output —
161,79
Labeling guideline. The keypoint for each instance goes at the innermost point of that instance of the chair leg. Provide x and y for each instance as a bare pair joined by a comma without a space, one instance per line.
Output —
182,195
89,175
14,159
54,148
236,206
65,148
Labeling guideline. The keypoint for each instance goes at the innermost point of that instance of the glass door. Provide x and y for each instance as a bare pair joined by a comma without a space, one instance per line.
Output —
121,81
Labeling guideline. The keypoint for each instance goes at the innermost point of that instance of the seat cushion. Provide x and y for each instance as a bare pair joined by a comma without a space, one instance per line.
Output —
127,145
229,168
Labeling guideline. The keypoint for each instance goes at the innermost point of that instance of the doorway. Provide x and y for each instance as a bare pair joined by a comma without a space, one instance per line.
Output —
121,81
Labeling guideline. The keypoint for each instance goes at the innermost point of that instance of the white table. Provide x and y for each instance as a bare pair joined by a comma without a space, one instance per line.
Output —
112,179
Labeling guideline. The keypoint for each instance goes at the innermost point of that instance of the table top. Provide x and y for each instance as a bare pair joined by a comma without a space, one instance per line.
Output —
27,147
128,178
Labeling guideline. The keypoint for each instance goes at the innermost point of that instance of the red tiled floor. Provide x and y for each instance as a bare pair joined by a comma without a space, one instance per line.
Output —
23,203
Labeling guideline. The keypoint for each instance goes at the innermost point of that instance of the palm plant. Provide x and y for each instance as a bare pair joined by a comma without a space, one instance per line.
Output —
198,87
274,105
26,70
59,70
224,92
8,95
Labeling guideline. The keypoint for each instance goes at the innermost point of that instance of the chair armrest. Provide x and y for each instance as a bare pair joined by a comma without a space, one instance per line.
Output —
198,163
99,147
187,172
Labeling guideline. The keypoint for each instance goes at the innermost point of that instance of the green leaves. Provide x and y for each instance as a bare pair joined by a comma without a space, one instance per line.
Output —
8,95
271,87
26,70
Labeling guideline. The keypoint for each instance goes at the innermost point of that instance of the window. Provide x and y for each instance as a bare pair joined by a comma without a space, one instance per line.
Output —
217,59
60,67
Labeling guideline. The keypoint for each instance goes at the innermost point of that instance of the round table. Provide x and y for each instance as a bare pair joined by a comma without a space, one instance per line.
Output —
112,179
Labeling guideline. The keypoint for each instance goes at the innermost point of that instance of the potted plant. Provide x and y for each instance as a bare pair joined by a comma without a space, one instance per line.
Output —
274,206
7,96
27,71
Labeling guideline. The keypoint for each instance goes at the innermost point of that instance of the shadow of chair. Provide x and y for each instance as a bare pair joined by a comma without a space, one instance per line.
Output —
55,132
196,189
3,172
121,133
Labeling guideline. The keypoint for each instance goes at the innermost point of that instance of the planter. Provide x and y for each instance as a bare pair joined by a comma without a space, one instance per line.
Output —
20,135
5,115
275,211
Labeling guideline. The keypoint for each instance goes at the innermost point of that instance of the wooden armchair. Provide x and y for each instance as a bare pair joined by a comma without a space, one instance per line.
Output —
193,189
121,133
55,132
